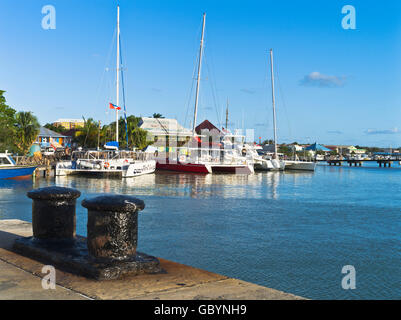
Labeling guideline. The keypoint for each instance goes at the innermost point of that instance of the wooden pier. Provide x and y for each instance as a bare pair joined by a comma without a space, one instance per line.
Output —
358,163
45,171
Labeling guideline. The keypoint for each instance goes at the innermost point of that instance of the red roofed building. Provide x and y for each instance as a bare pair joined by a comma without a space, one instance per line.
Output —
207,125
209,132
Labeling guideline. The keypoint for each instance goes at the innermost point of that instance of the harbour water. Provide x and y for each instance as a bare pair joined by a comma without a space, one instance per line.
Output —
292,231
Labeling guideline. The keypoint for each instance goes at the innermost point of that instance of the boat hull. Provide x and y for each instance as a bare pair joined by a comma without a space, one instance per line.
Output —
237,169
184,167
269,165
300,165
16,172
129,170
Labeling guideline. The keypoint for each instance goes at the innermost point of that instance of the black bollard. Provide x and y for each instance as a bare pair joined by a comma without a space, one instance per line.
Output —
53,213
113,226
109,251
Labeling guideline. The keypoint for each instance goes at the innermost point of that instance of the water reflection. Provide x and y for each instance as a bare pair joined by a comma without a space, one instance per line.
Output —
255,186
260,185
287,226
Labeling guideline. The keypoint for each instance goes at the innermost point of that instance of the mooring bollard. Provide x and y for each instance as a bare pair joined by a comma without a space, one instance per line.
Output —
53,213
113,226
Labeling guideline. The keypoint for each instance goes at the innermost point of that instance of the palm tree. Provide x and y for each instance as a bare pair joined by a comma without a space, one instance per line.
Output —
27,129
87,136
158,115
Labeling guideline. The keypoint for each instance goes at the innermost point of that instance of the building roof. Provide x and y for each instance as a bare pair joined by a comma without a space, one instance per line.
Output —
44,132
69,120
268,148
206,125
163,127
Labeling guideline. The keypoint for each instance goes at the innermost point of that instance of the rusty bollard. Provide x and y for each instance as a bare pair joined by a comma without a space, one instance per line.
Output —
113,226
53,213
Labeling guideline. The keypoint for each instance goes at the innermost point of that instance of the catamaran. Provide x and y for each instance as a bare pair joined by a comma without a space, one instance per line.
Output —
208,159
9,170
111,161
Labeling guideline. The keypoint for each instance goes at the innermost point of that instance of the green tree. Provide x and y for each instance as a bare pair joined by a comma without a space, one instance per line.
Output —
7,125
285,150
87,136
27,129
158,115
270,141
137,137
54,128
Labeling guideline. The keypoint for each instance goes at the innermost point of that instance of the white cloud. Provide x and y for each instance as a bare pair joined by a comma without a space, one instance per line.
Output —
386,131
316,79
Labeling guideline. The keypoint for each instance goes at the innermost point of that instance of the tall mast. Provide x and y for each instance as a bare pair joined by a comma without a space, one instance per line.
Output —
274,104
227,115
118,69
199,74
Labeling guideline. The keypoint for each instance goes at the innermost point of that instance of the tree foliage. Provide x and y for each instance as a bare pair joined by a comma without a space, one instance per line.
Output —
18,130
7,125
91,134
158,115
27,129
52,127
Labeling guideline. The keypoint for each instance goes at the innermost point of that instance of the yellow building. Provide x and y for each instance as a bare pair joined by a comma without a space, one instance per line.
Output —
69,123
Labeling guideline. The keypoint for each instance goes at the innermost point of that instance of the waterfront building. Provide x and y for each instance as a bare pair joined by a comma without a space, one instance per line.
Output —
165,132
296,147
207,126
48,138
354,150
341,149
69,124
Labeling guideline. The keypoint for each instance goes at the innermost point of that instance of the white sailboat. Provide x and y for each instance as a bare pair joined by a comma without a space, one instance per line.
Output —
288,164
271,163
205,160
112,161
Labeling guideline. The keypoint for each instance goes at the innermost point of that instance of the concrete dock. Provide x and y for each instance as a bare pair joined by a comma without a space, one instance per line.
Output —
21,278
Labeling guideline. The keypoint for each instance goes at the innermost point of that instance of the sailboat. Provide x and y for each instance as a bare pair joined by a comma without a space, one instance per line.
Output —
204,160
111,161
271,163
286,164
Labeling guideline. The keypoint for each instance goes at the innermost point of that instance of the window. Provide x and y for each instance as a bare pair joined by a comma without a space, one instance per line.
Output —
4,160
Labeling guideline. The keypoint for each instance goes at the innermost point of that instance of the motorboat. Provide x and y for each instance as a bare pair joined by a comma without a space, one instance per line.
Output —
9,169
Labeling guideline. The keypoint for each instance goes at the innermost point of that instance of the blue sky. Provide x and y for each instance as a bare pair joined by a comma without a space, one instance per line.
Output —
333,86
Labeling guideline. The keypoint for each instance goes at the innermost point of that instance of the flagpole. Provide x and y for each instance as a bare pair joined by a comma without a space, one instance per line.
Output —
118,68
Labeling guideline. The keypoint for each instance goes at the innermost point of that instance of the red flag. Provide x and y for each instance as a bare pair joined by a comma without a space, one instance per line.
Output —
113,106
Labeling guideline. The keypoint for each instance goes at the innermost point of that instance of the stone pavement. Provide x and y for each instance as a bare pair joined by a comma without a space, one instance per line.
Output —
20,278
